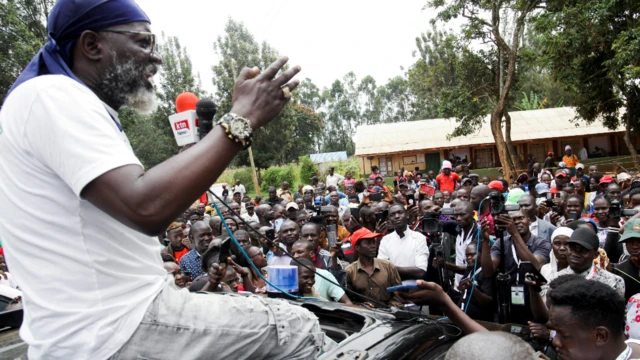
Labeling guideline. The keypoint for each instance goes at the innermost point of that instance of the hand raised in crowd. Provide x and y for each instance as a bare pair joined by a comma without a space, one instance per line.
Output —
464,285
430,294
259,96
486,230
507,223
553,218
186,242
382,227
239,269
336,250
413,213
437,261
539,331
216,273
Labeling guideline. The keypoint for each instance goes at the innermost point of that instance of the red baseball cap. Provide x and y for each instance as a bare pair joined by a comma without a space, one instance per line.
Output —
363,233
496,185
561,174
606,179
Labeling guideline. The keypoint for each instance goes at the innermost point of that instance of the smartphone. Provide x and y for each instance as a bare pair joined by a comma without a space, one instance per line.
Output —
527,268
271,234
403,287
382,216
574,215
376,197
332,234
554,208
355,212
411,199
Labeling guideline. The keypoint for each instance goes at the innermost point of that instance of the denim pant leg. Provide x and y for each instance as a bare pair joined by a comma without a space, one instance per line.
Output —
183,325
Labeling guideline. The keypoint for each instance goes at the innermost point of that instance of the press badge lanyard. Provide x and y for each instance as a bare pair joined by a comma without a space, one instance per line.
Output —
517,292
517,260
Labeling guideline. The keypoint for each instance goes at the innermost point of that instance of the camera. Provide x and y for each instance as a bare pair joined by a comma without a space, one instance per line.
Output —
498,206
431,223
616,210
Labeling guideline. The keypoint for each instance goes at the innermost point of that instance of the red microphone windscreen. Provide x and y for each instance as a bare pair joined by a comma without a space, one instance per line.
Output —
186,101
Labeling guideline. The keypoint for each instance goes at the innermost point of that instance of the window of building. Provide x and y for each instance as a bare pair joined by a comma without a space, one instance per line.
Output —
539,151
484,158
386,165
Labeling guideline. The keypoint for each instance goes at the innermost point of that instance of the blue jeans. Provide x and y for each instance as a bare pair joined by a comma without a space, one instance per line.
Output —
183,325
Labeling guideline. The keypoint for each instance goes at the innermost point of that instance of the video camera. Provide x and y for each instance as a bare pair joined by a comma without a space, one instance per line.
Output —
431,224
616,210
497,204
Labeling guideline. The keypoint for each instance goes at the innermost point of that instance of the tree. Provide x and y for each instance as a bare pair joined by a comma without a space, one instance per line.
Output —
22,34
593,47
493,66
151,136
293,133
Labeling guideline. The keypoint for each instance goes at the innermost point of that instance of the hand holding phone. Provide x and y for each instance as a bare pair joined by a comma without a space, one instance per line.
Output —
403,287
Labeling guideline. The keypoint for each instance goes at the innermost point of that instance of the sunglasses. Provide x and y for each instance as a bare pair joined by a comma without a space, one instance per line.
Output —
151,37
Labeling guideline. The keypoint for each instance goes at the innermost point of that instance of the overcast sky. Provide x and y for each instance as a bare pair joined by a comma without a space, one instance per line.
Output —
328,39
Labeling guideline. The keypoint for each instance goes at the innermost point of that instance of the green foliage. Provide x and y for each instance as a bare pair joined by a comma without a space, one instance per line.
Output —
307,169
531,102
22,34
592,47
342,166
228,177
293,133
275,176
458,82
245,175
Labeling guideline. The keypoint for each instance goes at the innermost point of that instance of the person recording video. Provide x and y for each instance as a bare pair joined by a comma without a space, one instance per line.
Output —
517,245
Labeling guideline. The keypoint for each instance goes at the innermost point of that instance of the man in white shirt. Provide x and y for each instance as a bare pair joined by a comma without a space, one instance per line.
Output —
66,158
405,248
250,215
333,179
239,187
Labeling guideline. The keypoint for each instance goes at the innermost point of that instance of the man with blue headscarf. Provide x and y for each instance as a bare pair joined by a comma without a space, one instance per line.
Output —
92,278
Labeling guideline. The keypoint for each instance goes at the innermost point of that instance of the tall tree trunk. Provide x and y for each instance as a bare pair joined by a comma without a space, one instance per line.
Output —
508,167
507,136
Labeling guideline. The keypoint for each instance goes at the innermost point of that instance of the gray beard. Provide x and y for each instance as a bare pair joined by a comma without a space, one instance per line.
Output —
124,83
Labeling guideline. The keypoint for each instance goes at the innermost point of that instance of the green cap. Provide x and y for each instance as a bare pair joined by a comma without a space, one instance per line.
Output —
631,230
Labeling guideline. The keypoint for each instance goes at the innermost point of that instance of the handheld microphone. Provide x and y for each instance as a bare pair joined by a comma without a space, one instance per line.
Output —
206,110
186,101
185,123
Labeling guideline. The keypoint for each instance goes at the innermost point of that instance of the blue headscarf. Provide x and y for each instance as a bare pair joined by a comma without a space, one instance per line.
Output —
67,20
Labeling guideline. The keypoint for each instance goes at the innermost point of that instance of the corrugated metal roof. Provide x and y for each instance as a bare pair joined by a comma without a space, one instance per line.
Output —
327,157
432,134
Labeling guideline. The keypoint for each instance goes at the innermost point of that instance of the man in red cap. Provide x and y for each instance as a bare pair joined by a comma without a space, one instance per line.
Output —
496,185
561,179
371,276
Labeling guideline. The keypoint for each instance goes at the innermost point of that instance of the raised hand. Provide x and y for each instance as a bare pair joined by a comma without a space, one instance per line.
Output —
259,96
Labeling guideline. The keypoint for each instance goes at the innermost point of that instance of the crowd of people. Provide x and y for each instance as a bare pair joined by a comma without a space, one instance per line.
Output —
352,239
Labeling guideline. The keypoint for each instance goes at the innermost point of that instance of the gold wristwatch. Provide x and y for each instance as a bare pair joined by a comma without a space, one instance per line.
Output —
237,128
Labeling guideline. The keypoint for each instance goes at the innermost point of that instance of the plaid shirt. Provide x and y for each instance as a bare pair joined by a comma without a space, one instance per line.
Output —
191,262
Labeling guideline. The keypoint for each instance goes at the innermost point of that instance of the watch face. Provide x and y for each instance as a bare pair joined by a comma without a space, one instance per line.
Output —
239,128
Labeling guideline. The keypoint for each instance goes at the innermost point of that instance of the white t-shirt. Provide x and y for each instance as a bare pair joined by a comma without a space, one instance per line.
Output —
409,251
239,188
8,281
86,278
334,179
